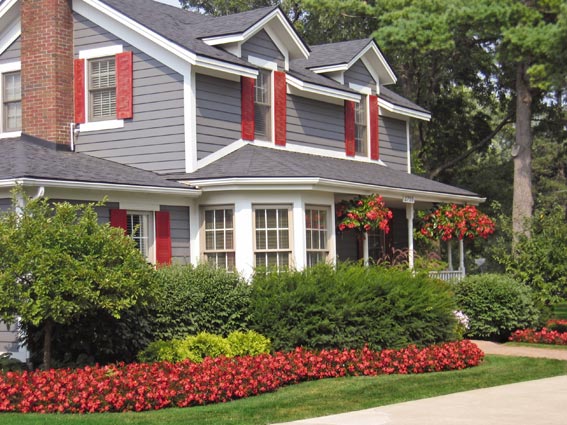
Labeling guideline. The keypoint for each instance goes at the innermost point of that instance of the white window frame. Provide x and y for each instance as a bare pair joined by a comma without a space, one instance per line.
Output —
278,250
148,217
268,66
326,250
215,252
365,141
8,68
89,55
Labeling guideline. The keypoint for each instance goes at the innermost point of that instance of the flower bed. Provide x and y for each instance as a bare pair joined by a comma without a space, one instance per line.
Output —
140,386
545,336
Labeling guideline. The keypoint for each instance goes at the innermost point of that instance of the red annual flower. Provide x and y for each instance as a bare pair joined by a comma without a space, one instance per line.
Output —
364,214
452,221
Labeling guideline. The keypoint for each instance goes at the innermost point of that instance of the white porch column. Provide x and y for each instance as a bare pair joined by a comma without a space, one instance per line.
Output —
299,254
195,231
410,215
244,238
365,250
462,256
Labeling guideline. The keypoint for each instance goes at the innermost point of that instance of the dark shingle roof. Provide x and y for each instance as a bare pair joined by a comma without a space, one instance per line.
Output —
396,99
320,80
335,53
233,24
29,157
255,162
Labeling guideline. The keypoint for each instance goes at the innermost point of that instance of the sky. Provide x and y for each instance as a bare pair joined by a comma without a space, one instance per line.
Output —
170,2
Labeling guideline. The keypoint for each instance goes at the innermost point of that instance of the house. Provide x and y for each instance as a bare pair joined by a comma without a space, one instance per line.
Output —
222,139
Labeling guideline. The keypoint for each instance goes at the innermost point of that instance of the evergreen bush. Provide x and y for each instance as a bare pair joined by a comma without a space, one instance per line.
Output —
496,305
350,307
248,343
199,299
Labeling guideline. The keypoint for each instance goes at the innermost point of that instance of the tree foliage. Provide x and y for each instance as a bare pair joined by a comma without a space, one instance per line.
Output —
58,264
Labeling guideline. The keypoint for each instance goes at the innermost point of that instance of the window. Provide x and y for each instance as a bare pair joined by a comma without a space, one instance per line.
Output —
219,237
317,234
360,138
137,227
102,89
272,243
12,98
262,104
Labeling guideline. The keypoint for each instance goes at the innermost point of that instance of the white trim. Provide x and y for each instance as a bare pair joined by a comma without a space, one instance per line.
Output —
360,88
227,67
330,68
326,185
222,152
321,90
280,45
234,48
99,125
238,37
11,35
190,192
6,6
412,113
372,72
101,52
190,118
10,135
263,63
10,67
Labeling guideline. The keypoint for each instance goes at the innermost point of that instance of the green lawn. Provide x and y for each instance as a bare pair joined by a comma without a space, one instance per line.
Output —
527,344
323,397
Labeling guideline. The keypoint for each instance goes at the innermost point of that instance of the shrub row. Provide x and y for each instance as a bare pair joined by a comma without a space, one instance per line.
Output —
197,347
545,336
138,387
351,306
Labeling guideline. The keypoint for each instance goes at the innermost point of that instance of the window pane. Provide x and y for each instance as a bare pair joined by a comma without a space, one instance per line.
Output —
219,237
12,87
209,240
104,103
229,239
272,239
228,219
284,239
103,74
209,219
260,219
13,116
308,238
260,239
271,219
283,218
219,219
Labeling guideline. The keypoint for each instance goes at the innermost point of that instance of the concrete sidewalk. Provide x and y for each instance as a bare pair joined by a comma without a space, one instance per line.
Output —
541,402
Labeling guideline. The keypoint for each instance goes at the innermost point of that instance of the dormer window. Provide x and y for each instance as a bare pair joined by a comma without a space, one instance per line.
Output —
360,128
102,89
12,101
262,104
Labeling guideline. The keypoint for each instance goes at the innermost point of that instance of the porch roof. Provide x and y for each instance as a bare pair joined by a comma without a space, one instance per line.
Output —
254,163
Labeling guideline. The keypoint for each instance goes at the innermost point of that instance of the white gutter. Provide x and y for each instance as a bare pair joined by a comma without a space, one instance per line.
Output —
321,90
329,185
402,110
99,186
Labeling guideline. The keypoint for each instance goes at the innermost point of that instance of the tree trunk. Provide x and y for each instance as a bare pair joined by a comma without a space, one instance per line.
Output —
522,153
47,336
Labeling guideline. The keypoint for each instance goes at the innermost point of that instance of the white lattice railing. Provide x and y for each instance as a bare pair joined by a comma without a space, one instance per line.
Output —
448,275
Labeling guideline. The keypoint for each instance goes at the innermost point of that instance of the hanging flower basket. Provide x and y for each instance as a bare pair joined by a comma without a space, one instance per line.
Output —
363,214
455,222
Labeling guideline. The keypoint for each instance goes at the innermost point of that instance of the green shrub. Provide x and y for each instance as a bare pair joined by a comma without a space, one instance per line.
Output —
199,299
206,345
8,364
496,305
248,344
352,306
158,351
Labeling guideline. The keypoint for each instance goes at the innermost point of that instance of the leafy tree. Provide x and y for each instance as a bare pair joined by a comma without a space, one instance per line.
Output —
58,263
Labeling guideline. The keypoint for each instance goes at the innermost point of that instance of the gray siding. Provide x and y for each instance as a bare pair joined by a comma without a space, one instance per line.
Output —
315,124
5,204
180,235
393,143
103,212
358,74
155,138
262,46
8,338
12,53
218,114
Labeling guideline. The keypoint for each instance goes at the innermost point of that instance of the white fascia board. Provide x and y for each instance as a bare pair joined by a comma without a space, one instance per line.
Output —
330,68
381,58
241,37
321,90
226,150
230,68
403,111
11,35
326,185
189,192
6,6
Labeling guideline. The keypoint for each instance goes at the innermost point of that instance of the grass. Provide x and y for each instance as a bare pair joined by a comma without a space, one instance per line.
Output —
323,397
534,345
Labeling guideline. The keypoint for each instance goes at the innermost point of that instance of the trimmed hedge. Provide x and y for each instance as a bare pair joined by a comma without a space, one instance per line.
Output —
199,299
496,306
351,306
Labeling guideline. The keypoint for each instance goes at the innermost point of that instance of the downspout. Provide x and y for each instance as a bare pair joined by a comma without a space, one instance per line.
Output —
410,212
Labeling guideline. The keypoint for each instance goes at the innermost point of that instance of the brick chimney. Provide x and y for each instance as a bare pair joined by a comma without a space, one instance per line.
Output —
47,69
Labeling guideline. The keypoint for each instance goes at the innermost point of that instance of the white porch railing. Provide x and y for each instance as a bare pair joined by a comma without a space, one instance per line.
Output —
447,275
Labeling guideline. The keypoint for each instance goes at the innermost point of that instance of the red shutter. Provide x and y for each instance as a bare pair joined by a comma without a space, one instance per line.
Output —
118,218
349,128
280,111
124,81
247,107
163,238
79,90
374,132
